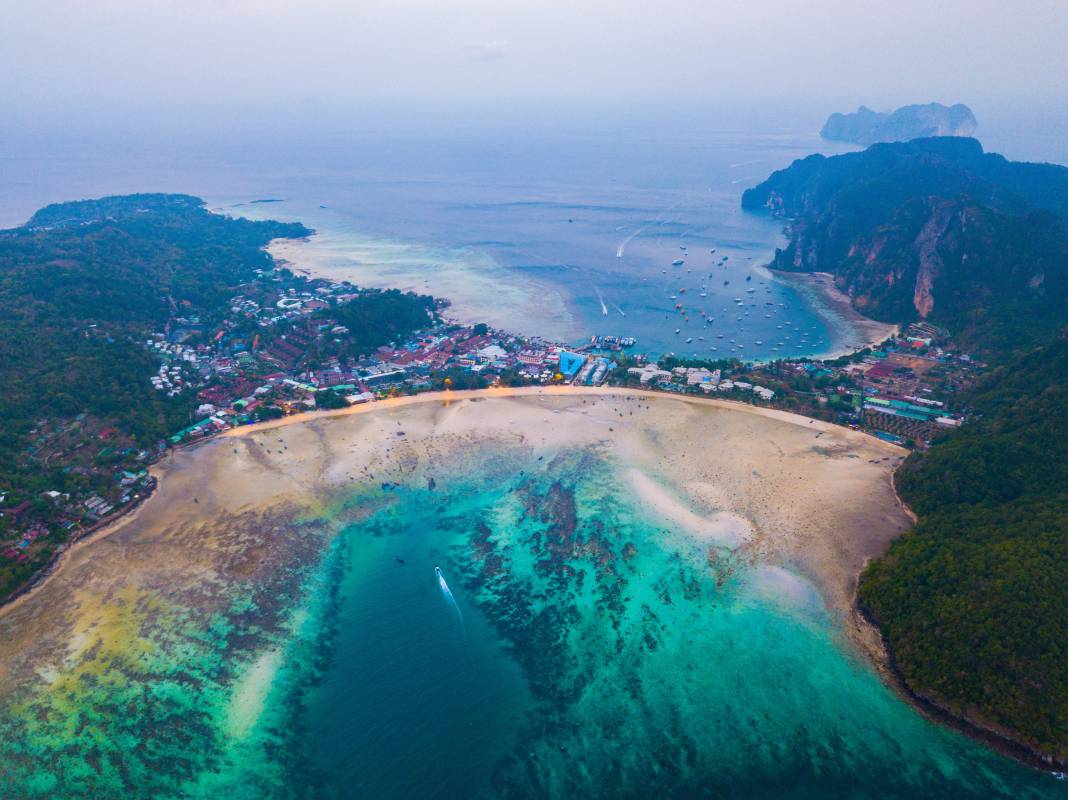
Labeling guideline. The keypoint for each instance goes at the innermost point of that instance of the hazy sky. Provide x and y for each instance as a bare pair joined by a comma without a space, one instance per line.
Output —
57,53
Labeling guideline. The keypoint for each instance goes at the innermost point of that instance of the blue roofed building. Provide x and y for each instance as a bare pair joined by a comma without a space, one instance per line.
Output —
570,363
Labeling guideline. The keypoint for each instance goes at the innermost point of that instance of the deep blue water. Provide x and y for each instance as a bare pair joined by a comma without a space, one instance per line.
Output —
552,231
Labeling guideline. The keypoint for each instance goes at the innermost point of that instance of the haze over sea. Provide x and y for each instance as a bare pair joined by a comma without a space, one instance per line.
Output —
559,225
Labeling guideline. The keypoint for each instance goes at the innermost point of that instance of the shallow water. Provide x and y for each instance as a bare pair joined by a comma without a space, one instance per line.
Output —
651,666
602,652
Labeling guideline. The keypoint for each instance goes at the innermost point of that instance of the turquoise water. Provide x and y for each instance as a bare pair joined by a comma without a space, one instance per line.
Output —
593,652
599,656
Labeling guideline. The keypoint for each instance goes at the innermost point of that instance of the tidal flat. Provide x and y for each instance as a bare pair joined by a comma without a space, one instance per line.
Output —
639,596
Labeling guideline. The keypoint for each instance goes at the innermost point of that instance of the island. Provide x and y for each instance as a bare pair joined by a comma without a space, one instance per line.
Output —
232,485
865,126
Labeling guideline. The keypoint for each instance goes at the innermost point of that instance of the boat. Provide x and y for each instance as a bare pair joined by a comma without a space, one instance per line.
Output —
678,331
678,262
689,340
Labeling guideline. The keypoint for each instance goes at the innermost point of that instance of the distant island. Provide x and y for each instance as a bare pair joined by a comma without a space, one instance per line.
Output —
973,601
908,122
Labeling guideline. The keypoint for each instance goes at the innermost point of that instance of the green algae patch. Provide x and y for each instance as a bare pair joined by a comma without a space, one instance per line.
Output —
163,686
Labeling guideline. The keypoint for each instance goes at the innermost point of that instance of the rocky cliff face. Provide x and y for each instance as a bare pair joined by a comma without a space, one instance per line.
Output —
931,229
908,122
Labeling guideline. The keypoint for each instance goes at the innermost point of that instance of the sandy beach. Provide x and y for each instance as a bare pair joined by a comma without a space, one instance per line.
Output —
774,488
855,331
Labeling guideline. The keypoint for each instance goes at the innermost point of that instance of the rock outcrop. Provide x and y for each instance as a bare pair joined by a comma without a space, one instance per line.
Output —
908,122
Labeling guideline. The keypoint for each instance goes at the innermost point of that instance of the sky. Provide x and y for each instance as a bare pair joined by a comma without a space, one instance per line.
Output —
61,55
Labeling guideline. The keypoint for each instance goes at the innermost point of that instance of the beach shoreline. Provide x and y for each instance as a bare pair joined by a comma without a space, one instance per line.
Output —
836,307
162,468
810,505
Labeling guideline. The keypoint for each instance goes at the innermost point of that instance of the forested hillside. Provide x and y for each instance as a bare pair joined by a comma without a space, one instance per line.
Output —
933,229
973,601
79,285
94,297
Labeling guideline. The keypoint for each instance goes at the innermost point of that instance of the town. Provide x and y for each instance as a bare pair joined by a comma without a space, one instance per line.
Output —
281,347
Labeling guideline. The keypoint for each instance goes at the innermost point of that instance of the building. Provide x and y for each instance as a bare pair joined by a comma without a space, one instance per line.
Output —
570,363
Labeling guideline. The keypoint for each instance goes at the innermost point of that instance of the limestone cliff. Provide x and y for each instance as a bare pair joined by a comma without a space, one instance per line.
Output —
908,122
931,229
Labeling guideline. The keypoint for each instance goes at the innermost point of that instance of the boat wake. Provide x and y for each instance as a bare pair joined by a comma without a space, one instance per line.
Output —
623,245
600,298
447,593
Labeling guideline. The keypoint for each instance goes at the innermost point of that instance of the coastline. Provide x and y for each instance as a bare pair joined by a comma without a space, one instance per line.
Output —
886,665
102,529
160,469
342,255
835,306
476,288
857,628
997,741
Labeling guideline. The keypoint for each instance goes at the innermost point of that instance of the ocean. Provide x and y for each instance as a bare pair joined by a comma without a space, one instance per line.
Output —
559,232
555,225
571,236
